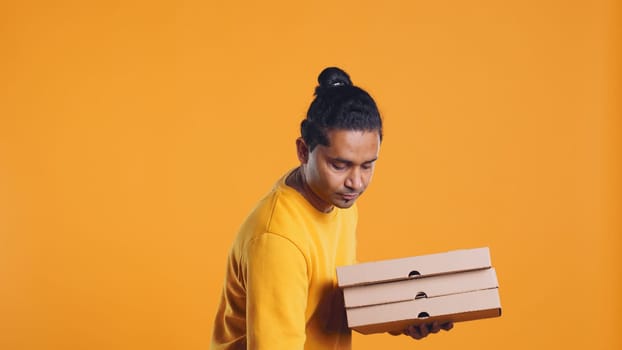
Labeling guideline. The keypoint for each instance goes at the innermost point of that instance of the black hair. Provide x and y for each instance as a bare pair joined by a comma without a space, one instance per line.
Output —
338,105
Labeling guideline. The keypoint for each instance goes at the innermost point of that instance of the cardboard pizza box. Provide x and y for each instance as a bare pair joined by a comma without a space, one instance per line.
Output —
398,316
428,287
413,267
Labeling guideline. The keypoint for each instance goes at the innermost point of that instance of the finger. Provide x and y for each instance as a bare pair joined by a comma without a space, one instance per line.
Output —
413,331
435,327
424,330
447,325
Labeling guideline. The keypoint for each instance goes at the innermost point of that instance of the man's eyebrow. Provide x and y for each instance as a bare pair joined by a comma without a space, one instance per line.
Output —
345,161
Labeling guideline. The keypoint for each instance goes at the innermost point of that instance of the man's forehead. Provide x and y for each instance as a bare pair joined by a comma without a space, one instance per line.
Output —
352,145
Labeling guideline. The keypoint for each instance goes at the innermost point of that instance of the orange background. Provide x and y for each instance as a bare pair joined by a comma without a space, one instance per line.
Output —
135,137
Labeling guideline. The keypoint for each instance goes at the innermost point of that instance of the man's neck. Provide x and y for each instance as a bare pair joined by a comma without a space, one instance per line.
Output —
297,181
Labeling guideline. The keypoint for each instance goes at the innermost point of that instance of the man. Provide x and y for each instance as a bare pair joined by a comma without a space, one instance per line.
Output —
280,289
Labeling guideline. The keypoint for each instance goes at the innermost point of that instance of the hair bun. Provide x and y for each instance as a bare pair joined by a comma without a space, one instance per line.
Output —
333,76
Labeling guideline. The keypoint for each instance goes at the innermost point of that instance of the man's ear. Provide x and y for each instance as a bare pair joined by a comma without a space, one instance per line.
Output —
302,150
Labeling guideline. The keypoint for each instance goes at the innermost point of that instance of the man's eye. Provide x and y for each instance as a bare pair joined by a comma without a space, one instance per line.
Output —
338,166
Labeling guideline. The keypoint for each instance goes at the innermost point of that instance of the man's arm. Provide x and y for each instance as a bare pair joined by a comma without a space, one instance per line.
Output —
276,294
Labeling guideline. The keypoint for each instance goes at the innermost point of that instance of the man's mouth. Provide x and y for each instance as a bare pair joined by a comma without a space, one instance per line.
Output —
349,196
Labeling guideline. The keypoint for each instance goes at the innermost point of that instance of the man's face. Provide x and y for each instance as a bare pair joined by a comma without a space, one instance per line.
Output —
338,174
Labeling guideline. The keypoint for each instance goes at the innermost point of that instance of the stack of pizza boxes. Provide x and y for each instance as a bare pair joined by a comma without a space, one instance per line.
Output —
391,295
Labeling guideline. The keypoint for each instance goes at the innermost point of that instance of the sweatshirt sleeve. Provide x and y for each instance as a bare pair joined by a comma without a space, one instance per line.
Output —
276,299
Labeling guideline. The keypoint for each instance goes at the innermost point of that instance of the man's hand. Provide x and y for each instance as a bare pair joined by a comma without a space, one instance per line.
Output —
421,331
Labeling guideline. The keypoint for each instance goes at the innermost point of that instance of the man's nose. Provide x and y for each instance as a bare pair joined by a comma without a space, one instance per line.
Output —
354,181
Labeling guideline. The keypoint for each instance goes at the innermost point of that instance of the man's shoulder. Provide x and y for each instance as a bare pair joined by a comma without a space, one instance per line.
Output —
276,204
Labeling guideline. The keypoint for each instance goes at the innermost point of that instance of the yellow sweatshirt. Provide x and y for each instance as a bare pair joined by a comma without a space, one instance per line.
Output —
280,286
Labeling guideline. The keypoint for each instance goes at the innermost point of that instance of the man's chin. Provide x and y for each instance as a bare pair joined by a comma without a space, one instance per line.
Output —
343,204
